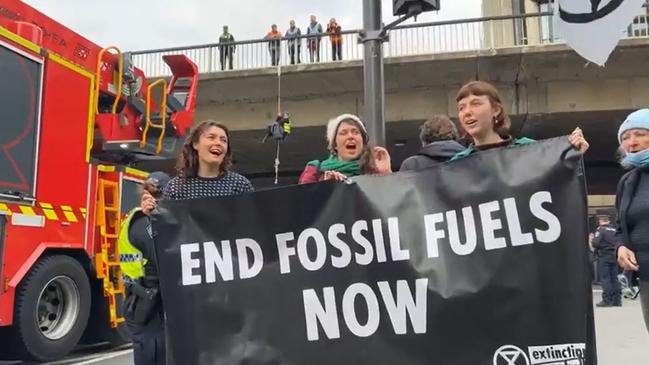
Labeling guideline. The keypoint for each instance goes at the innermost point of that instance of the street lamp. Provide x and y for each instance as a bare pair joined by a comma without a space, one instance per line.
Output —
405,7
373,36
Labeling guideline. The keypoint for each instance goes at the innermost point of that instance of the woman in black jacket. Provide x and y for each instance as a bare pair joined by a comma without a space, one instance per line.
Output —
632,202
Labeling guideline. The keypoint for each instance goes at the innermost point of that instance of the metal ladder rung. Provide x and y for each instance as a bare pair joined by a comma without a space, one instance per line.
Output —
109,211
157,126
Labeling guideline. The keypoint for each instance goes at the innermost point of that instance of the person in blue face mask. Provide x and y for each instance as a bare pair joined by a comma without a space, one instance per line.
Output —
632,202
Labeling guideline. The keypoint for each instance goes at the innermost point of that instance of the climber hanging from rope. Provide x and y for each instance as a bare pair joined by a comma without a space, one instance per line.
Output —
281,127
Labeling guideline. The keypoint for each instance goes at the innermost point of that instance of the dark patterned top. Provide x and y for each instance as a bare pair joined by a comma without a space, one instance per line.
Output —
226,184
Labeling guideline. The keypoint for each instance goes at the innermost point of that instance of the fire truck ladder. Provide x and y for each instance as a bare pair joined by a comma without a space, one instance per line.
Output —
107,261
118,84
162,115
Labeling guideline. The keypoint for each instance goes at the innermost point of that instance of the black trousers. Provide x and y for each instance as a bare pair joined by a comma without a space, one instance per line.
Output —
293,51
149,347
337,50
608,270
226,55
274,56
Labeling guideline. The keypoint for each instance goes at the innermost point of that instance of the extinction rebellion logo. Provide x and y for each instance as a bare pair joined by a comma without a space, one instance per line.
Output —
598,10
566,354
510,355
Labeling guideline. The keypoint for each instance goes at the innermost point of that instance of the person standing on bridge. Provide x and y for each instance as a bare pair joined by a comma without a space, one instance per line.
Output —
314,31
351,155
632,202
438,136
226,51
274,40
293,34
336,39
484,119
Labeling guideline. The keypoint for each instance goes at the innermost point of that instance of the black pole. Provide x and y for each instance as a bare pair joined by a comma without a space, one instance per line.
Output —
373,71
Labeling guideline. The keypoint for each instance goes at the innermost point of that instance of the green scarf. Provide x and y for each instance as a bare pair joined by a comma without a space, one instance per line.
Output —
347,168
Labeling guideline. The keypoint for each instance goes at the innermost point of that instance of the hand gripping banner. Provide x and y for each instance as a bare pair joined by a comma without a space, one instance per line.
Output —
479,261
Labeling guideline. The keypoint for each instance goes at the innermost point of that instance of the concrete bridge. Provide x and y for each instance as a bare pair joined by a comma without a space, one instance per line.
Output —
548,91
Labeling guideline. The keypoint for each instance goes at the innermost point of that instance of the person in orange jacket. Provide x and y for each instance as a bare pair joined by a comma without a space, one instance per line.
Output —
336,39
274,38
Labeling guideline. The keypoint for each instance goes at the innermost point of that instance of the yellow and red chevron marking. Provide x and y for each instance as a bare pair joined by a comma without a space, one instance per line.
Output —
62,213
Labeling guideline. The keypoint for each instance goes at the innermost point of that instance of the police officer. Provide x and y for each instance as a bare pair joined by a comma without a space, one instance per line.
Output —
143,310
604,244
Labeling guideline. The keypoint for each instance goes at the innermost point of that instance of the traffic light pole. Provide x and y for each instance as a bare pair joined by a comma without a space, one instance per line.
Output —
373,36
372,39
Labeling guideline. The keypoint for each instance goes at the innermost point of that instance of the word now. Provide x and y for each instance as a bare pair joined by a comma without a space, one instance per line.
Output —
399,308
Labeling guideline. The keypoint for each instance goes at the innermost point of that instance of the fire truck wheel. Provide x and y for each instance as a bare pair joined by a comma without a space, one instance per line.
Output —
52,308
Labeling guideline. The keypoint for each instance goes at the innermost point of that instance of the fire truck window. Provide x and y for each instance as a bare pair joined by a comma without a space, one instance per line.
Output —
3,223
130,195
19,101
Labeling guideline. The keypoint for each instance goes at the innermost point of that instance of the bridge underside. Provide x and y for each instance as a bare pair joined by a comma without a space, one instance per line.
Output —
256,159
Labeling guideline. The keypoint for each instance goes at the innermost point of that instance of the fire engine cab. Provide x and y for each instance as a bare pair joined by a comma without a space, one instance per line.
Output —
74,116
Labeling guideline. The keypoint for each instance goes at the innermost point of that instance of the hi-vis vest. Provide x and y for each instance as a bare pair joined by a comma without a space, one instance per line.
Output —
131,260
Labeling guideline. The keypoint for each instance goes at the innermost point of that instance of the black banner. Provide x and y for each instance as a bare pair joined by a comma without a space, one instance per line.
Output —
479,261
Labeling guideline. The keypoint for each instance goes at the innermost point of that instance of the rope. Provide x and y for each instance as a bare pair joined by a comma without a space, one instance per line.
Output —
279,112
277,163
279,88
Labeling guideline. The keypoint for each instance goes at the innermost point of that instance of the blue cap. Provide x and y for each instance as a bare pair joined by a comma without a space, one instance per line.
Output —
639,119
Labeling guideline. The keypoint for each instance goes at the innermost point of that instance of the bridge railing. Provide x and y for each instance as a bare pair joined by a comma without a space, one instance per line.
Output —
405,40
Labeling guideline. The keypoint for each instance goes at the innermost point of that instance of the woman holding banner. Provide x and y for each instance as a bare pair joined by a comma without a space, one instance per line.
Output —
632,202
203,168
351,154
483,117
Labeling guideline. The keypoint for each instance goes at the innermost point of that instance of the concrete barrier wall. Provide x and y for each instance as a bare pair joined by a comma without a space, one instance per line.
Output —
541,79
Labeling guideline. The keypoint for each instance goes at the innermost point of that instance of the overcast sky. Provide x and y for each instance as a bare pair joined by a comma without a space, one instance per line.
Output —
145,24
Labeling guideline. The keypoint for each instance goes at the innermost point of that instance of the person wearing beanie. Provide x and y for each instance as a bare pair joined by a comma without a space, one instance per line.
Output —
632,202
350,153
438,136
484,119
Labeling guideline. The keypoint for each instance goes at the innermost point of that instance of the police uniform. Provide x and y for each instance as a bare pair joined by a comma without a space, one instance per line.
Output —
605,247
143,310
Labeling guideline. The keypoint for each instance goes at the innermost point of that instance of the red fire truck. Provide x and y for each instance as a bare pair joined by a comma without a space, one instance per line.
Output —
73,117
